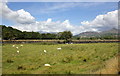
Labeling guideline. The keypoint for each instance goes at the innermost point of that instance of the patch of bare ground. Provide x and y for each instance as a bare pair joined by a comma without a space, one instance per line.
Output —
111,66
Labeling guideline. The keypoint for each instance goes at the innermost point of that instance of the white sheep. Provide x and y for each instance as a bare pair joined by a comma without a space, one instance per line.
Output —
45,51
21,45
18,51
59,48
17,47
13,45
23,42
71,43
48,65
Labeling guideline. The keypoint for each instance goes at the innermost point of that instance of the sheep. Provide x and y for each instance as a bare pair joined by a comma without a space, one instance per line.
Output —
59,48
23,42
47,65
21,45
18,51
71,43
45,51
17,47
13,46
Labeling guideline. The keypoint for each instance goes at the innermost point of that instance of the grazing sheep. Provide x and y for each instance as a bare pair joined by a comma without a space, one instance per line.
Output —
18,51
59,48
13,46
48,65
16,47
71,43
45,51
23,42
21,45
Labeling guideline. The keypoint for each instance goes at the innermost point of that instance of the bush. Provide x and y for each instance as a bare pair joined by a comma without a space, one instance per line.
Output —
46,43
20,67
10,61
67,41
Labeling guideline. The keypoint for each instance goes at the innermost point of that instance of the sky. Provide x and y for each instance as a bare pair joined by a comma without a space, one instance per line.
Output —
76,17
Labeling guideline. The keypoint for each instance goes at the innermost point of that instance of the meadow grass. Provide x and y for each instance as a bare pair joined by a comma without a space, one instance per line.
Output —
71,59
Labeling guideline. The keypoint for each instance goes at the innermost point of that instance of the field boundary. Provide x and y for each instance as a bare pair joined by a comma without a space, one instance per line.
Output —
61,41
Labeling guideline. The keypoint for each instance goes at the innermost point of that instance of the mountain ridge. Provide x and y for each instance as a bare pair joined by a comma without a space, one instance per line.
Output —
112,31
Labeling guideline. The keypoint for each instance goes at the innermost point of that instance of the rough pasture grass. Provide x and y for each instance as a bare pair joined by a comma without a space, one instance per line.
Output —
72,59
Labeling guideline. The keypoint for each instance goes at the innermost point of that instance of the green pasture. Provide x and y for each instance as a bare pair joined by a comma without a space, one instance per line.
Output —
71,59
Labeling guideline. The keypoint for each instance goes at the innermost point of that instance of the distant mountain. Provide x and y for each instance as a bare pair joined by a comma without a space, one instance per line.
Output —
112,31
88,34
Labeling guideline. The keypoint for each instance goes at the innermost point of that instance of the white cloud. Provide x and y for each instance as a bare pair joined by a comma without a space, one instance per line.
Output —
46,26
102,22
26,22
63,6
21,16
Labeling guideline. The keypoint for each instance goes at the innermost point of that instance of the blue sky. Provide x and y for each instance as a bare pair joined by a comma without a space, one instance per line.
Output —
60,16
78,12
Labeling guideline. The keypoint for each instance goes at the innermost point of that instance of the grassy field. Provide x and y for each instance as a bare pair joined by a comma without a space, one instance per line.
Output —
71,59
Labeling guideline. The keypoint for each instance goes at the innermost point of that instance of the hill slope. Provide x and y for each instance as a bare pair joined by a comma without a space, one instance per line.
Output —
111,32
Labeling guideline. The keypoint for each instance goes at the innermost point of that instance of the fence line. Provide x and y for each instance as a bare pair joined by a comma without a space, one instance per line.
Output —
60,41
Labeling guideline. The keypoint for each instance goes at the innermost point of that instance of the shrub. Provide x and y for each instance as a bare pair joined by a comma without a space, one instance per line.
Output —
46,43
20,67
10,61
67,41
84,60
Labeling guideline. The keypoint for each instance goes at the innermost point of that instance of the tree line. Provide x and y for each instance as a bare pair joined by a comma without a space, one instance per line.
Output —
9,33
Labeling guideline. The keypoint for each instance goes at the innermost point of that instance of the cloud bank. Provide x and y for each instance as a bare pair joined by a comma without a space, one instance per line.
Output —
26,22
102,22
20,16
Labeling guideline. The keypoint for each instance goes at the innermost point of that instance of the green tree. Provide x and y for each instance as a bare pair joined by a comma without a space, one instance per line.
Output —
48,36
66,35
